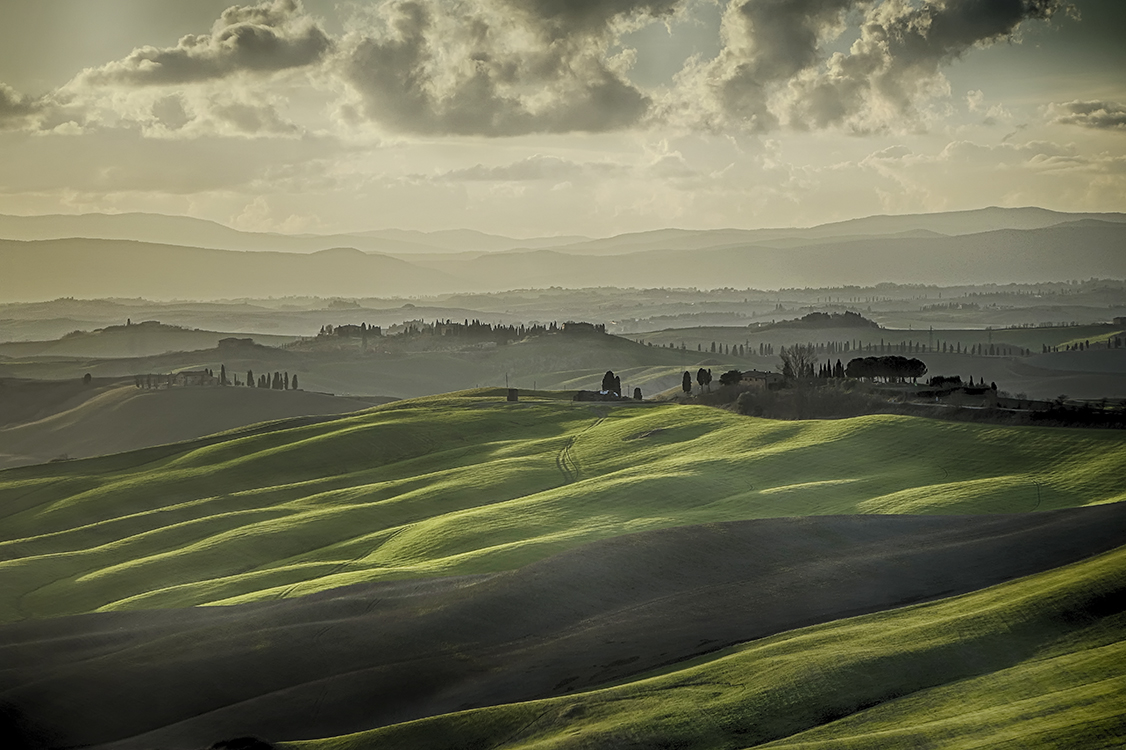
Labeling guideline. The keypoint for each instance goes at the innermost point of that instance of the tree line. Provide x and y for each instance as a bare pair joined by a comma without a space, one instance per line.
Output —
278,381
467,328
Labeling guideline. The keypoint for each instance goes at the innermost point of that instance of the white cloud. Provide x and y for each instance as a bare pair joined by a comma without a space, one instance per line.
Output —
255,39
1097,115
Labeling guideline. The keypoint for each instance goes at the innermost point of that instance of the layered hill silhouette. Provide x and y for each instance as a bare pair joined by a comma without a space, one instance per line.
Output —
403,370
141,339
187,231
405,367
184,230
999,245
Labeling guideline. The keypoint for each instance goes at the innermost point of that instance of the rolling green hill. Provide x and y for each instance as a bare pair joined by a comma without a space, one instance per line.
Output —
460,571
466,483
1038,662
67,419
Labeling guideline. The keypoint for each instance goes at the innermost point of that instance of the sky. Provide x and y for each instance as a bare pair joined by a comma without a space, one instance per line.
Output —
559,117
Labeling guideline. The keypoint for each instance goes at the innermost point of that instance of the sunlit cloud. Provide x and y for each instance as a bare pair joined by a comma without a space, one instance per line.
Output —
255,39
1097,115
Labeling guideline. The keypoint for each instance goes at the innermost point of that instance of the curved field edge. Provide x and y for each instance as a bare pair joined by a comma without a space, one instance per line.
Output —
466,483
1037,662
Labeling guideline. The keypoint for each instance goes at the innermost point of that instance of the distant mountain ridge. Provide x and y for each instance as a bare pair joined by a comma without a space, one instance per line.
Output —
1075,246
192,232
202,233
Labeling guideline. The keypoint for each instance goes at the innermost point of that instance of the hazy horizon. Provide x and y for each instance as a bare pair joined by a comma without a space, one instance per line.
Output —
392,230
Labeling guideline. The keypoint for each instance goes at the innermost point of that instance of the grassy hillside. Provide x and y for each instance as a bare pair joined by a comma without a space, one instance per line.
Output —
466,483
380,654
1039,662
69,419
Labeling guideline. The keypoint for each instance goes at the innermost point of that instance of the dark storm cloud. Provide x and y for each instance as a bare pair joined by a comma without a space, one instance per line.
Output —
901,49
263,38
1095,114
770,42
482,70
774,45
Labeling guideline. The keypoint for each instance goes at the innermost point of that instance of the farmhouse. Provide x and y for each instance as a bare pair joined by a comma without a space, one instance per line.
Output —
194,377
762,377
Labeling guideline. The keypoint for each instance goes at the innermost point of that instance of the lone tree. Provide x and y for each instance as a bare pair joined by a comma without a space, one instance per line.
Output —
223,375
636,394
294,383
686,382
798,360
608,381
86,379
250,378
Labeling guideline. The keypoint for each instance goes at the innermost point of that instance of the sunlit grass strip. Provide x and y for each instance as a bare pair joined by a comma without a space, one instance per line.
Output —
466,483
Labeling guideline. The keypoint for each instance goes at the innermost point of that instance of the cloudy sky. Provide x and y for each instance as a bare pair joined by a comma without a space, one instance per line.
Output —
545,117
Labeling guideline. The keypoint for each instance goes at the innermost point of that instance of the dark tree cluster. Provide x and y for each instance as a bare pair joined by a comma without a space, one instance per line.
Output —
830,370
470,329
611,383
704,378
279,381
890,368
731,377
847,319
348,330
610,389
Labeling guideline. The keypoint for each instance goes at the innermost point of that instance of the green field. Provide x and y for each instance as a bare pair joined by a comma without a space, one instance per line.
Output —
466,483
1038,662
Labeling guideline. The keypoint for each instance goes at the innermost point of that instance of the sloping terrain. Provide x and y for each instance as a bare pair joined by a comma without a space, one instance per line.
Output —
378,654
467,483
137,340
1036,663
460,571
74,421
555,361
